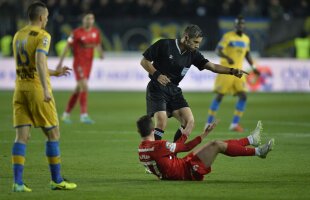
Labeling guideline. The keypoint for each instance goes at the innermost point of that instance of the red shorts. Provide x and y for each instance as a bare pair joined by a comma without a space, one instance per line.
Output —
196,167
82,71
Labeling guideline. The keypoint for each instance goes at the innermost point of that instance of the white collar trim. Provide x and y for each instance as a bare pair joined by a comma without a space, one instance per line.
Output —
176,43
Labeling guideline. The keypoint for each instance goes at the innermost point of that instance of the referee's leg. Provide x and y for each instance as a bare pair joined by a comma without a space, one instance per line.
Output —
160,124
186,118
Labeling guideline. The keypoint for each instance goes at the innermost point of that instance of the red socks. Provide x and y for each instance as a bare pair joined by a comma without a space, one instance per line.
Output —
73,99
243,142
83,101
237,148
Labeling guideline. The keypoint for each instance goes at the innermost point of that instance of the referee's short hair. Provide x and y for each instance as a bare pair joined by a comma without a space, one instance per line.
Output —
193,31
35,9
145,125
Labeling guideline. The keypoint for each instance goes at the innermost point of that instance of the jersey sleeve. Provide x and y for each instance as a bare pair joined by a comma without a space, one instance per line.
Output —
181,147
164,148
199,60
44,42
153,51
182,139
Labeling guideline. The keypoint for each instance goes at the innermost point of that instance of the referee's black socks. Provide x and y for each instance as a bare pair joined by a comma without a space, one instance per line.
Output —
158,133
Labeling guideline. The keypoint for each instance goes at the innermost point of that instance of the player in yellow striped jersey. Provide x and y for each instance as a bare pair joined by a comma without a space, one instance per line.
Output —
233,48
33,102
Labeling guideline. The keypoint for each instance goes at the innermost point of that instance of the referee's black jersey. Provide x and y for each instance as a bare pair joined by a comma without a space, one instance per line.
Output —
168,60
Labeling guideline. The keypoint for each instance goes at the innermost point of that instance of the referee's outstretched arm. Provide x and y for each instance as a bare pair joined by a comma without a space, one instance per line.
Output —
220,69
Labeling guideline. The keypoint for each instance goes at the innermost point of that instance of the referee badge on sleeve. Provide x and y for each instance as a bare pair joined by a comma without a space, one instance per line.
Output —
184,71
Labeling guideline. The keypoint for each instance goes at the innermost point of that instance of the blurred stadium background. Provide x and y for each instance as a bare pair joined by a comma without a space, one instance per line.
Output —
131,25
102,158
278,30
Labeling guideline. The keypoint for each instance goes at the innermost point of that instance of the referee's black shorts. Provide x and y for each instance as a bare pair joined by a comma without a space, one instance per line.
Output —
164,98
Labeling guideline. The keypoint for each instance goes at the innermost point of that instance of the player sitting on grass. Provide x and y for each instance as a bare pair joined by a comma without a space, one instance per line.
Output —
159,156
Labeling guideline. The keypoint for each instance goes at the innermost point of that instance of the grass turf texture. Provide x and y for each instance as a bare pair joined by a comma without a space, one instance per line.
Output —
102,158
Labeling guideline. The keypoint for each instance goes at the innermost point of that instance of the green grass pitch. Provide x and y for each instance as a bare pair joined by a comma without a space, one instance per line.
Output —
102,158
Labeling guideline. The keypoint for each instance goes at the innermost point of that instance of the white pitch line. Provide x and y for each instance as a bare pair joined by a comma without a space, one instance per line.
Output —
284,123
95,131
295,135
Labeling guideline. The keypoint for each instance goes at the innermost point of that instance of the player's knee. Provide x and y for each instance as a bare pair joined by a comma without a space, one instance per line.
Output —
221,146
53,137
83,88
22,138
52,134
82,85
213,143
77,89
217,145
242,96
219,97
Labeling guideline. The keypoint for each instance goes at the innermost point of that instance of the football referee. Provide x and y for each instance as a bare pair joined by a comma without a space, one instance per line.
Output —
167,62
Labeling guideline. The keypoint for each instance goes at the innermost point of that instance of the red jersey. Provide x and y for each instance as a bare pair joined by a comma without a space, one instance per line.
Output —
83,43
160,158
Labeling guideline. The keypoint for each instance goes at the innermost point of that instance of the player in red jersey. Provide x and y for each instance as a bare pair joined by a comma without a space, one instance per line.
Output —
159,156
83,41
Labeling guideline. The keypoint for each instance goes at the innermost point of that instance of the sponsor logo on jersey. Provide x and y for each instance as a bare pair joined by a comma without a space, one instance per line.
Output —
146,149
195,167
171,146
144,157
33,33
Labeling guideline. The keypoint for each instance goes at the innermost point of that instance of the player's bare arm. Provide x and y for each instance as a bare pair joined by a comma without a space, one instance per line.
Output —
148,66
248,57
208,129
60,71
41,67
100,50
63,55
220,69
220,53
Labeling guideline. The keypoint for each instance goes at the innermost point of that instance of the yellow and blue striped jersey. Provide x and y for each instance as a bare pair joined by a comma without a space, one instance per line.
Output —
235,47
27,41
